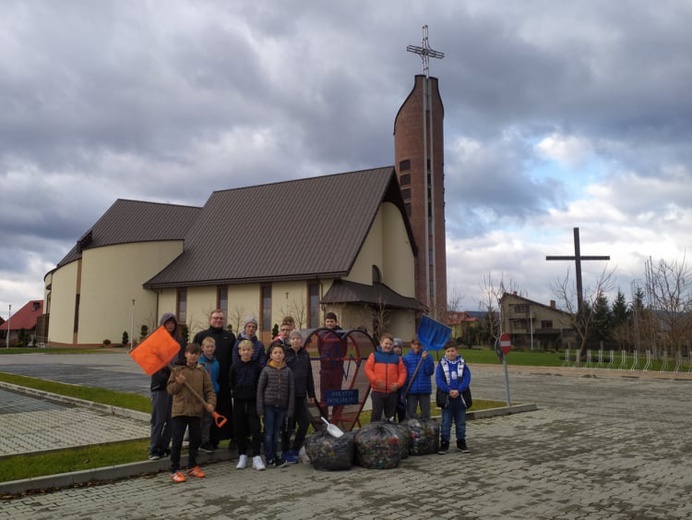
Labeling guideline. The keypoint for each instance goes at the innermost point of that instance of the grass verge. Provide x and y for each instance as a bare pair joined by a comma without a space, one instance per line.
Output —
18,467
88,393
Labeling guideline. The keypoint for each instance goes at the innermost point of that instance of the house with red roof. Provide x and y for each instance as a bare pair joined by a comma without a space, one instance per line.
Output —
21,326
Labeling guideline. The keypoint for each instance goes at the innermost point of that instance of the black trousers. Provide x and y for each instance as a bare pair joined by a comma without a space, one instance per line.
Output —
194,425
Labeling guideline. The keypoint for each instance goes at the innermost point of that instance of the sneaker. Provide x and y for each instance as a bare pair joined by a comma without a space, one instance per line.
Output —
444,446
206,448
178,477
257,463
279,462
242,462
291,457
196,472
461,446
154,456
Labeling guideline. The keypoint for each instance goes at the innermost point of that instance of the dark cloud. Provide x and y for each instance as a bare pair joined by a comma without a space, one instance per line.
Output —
168,101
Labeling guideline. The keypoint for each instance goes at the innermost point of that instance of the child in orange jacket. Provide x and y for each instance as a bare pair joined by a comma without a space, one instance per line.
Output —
387,374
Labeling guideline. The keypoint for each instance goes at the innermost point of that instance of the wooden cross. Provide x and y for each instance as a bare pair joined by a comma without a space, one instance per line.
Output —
577,263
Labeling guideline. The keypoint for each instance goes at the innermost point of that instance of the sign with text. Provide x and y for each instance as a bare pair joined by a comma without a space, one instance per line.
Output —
341,397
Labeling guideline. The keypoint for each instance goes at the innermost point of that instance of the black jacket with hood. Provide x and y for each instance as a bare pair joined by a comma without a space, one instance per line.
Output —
160,379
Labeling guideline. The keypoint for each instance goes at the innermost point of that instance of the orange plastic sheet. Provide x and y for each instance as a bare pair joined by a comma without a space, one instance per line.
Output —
155,352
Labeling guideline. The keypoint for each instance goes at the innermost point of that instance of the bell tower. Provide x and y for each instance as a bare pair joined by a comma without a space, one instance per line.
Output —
419,164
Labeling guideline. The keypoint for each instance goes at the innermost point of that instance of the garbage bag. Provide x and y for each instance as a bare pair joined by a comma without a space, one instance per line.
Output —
328,453
424,436
378,446
405,434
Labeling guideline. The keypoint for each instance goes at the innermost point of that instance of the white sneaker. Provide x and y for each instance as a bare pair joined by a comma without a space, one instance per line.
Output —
242,462
257,463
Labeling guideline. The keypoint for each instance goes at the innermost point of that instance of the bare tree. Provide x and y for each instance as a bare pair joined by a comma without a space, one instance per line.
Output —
235,317
668,289
492,290
380,316
454,299
565,293
298,310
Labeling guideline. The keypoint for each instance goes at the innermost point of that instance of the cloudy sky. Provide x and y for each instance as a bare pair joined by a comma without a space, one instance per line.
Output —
557,115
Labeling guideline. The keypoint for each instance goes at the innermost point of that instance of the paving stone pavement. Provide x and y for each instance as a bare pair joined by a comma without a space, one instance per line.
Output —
603,444
31,424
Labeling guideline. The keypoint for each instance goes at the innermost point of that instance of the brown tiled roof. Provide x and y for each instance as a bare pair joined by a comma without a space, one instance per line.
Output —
297,229
128,221
343,291
25,318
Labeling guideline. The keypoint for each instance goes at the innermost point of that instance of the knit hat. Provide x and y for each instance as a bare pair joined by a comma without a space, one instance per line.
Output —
295,334
398,342
249,319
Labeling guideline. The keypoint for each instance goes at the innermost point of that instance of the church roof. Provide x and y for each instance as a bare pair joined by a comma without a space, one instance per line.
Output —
130,221
298,229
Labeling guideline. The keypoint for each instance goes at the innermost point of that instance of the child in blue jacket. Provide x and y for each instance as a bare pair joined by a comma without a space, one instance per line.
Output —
419,387
453,377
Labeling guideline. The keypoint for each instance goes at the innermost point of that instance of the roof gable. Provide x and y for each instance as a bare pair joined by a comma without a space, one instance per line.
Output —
289,230
25,318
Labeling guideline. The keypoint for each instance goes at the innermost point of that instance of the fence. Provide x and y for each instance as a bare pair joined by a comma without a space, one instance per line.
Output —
628,361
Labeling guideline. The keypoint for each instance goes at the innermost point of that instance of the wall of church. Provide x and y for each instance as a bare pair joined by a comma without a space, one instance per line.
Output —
112,277
62,307
387,246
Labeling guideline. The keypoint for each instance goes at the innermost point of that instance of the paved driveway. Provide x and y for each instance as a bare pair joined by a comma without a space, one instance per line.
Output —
602,445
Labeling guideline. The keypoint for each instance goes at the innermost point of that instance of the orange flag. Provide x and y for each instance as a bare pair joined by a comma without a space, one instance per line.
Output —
156,352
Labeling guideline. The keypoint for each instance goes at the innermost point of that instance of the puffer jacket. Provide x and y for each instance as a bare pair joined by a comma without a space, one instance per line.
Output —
383,370
422,383
276,388
184,402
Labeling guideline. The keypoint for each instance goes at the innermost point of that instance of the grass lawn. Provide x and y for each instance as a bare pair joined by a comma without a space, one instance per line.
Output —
97,395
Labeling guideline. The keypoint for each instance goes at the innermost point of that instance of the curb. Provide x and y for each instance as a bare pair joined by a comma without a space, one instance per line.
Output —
82,403
102,475
497,412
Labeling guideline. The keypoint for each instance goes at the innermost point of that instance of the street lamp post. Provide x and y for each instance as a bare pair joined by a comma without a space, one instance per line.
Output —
132,327
9,317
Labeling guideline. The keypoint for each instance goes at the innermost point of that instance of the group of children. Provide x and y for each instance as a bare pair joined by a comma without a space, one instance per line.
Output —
399,385
275,387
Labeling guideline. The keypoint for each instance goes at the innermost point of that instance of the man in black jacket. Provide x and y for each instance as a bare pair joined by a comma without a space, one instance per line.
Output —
225,340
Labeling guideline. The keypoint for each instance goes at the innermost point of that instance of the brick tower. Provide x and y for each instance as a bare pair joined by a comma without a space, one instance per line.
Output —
419,163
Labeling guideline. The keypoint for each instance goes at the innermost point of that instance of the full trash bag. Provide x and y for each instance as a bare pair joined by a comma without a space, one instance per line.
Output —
328,453
423,436
378,446
405,435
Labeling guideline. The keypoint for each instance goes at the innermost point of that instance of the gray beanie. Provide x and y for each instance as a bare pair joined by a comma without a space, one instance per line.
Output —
249,319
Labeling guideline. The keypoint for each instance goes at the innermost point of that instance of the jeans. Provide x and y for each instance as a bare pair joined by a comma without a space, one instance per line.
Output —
302,418
273,422
161,403
457,411
412,402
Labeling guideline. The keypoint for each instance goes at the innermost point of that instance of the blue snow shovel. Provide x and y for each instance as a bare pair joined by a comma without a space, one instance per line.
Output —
433,334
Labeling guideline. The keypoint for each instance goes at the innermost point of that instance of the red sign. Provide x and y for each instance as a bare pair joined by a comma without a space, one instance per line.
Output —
505,344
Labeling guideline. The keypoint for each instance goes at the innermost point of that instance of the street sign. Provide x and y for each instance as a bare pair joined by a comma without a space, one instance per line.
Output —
505,344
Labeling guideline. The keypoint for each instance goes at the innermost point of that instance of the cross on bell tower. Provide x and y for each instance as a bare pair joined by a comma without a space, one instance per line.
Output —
425,52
